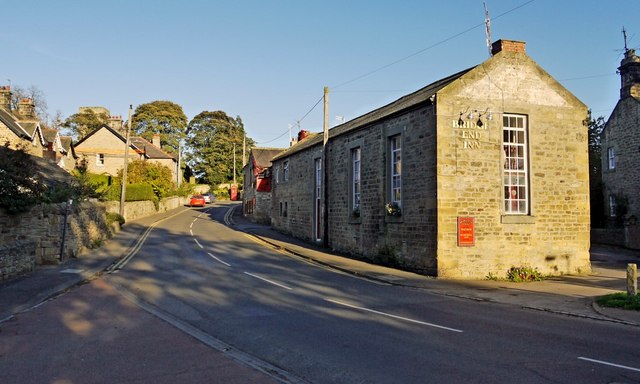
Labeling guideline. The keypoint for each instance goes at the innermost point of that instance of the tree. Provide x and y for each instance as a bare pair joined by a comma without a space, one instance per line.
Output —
82,123
160,117
36,95
20,183
157,175
210,139
595,128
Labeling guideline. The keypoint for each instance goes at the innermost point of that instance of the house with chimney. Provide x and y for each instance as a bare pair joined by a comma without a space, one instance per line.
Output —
473,174
257,184
620,146
103,152
19,128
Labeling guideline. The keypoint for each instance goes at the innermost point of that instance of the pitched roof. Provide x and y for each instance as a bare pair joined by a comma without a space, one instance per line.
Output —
262,156
10,121
420,96
150,150
114,132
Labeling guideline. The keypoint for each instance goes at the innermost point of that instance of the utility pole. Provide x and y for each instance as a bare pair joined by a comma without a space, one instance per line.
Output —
178,172
325,139
126,160
234,163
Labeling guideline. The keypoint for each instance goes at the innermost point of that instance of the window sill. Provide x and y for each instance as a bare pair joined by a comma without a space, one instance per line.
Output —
393,219
517,219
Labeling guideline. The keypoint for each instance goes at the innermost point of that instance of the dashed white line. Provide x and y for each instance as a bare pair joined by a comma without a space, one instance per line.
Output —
610,364
218,260
392,316
268,281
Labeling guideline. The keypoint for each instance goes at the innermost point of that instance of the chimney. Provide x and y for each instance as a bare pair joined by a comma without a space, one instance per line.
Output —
508,46
5,97
302,135
630,75
26,108
156,140
115,122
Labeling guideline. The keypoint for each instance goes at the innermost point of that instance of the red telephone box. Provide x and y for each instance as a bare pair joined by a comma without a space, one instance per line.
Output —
234,192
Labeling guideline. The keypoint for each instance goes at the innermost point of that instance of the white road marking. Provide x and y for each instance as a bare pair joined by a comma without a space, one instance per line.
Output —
191,232
197,242
393,316
610,364
267,280
218,260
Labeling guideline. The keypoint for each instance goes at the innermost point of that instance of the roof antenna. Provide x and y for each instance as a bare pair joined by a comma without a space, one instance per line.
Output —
487,22
624,34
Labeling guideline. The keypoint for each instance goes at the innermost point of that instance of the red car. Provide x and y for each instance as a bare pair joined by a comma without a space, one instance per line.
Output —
197,201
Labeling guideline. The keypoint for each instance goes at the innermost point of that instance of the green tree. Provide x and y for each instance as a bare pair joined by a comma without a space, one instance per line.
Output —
20,183
595,128
164,118
210,139
82,123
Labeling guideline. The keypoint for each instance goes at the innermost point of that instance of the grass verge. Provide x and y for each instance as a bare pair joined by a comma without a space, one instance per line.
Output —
620,300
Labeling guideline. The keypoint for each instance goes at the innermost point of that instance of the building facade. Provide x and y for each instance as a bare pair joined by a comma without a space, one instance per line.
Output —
620,143
465,178
103,152
258,178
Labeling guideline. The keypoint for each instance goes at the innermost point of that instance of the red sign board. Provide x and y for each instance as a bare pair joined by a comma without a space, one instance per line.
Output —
466,233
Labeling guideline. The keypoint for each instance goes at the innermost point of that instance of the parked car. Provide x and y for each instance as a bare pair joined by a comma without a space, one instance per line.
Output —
209,197
197,201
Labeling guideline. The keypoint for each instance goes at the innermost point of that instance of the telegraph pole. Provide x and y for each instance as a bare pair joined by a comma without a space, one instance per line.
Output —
126,160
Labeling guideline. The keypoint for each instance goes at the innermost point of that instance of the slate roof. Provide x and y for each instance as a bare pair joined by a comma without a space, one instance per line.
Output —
10,121
403,103
262,156
150,150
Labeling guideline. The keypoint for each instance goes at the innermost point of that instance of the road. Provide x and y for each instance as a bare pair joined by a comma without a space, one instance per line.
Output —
322,326
294,320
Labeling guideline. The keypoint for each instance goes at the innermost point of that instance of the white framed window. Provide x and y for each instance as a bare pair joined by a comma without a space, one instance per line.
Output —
515,172
285,171
613,206
355,181
100,159
395,152
611,158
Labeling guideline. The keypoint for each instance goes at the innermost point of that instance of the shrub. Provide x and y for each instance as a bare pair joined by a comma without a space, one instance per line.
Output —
113,217
522,274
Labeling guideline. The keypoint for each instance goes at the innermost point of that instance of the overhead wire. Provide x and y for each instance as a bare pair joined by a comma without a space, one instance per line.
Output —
399,61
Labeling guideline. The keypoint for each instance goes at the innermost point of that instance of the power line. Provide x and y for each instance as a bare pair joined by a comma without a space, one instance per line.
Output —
399,61
297,122
429,47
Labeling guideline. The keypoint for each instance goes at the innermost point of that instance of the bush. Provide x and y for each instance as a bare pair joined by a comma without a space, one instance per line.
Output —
523,274
113,217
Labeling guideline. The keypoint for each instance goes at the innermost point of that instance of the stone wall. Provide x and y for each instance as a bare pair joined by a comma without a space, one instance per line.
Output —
34,237
138,209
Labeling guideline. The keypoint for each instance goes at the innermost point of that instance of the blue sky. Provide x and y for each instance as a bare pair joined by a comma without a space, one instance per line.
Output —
268,61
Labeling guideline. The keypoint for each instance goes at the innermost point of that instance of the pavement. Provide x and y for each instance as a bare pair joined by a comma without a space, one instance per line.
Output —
566,295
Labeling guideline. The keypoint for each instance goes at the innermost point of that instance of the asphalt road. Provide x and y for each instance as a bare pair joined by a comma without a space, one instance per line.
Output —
317,325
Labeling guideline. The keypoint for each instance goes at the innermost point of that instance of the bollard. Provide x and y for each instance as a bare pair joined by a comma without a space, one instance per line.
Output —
632,279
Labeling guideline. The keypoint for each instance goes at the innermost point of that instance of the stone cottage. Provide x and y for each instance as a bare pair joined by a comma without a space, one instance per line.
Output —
620,143
257,184
473,174
103,151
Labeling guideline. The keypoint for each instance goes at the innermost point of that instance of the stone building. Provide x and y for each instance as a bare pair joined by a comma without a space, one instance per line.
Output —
258,177
19,128
103,151
620,143
467,177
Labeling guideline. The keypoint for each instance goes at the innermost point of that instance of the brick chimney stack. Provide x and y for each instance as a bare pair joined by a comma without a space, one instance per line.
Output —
508,46
26,108
630,75
5,97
